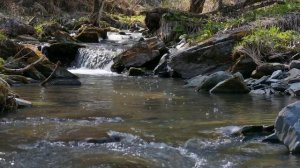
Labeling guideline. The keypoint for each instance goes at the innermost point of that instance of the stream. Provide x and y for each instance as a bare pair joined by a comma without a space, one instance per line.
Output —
116,121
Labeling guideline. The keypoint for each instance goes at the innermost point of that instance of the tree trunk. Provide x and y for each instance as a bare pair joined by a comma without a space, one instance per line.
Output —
196,6
96,10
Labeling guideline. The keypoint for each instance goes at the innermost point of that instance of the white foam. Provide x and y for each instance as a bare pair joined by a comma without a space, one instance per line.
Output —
98,72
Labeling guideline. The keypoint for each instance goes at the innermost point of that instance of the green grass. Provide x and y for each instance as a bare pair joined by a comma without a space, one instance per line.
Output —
2,36
211,27
265,42
130,19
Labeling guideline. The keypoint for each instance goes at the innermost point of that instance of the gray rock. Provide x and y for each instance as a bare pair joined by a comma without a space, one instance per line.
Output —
294,89
162,69
271,139
281,87
267,69
293,76
13,27
21,103
258,92
295,64
276,74
287,127
213,79
196,81
231,85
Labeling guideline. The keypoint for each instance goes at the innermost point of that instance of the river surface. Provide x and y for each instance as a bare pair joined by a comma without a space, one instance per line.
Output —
114,121
160,124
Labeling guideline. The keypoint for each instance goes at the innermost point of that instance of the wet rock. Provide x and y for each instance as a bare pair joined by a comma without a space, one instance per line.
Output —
258,92
294,89
280,86
64,82
271,139
49,29
143,54
162,69
196,81
63,52
295,64
293,76
91,34
110,139
21,103
245,65
287,127
268,69
213,79
136,72
232,85
13,27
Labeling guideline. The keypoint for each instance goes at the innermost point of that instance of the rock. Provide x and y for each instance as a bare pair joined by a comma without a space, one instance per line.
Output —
9,48
13,27
271,139
21,103
48,29
294,89
104,140
206,58
268,69
213,79
276,74
196,81
295,64
293,76
162,69
287,127
91,34
280,86
143,54
245,65
63,37
231,85
258,92
136,72
152,21
4,89
63,52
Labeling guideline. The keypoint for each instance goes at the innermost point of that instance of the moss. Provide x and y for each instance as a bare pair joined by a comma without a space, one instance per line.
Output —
211,27
39,27
2,36
130,19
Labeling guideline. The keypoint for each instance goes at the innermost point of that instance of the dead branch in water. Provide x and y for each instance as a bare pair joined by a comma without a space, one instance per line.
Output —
22,70
51,75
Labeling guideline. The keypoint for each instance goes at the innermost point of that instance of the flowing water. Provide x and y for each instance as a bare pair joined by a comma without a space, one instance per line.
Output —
118,121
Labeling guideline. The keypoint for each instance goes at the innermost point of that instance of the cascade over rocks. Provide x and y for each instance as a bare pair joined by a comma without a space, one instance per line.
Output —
287,127
143,54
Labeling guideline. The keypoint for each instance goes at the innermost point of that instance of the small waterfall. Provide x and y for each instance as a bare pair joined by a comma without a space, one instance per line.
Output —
97,58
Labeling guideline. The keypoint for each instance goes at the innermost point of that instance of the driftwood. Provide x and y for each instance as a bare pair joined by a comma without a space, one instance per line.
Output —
51,75
22,70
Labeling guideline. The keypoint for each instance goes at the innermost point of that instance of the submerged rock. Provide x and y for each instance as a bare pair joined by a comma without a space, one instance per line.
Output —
136,72
196,81
287,127
233,85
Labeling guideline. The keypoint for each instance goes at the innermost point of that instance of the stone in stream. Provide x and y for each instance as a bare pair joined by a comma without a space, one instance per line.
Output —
293,76
268,69
295,64
287,127
136,72
294,89
90,34
162,69
110,139
143,54
213,79
196,81
233,85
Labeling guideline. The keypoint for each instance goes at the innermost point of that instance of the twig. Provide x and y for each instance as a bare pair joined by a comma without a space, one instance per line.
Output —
51,75
22,70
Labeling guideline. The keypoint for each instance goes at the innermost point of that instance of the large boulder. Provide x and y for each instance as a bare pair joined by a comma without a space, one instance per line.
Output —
287,127
13,27
208,57
63,52
143,54
233,85
268,69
